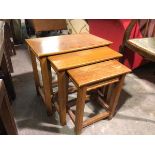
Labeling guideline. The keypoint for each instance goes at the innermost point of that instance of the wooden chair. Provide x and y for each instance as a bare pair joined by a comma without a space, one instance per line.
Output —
9,35
144,46
4,63
92,77
8,43
9,46
6,116
46,25
6,76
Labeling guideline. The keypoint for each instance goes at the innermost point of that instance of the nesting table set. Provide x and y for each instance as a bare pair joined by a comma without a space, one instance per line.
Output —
87,62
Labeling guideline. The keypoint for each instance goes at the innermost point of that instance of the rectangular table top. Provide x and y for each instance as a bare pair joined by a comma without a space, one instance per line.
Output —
47,46
97,72
80,58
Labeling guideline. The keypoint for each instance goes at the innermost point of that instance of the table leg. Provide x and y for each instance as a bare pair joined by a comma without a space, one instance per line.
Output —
63,83
81,97
47,83
115,96
35,70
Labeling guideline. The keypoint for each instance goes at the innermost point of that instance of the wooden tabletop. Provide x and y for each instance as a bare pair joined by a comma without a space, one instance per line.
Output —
47,46
145,47
81,58
97,72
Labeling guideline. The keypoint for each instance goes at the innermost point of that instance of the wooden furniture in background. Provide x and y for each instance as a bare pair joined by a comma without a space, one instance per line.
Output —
9,46
9,36
46,25
4,66
144,46
41,48
8,42
92,77
112,28
6,76
6,116
61,63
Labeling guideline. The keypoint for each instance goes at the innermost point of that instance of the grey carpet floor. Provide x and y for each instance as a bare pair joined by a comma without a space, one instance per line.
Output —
135,115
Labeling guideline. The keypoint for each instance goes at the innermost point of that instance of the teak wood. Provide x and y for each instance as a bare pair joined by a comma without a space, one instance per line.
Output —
65,43
115,96
61,63
84,78
35,70
85,57
47,82
41,48
62,95
97,72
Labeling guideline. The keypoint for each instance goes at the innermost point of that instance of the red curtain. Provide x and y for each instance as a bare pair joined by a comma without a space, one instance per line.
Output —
113,30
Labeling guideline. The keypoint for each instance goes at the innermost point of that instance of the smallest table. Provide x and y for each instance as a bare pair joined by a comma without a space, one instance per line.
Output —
93,77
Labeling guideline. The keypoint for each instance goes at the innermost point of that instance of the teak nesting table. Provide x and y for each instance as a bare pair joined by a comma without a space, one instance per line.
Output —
42,48
95,77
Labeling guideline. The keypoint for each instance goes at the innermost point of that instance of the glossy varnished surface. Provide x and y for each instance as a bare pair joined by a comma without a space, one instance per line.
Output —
97,72
65,43
81,58
145,46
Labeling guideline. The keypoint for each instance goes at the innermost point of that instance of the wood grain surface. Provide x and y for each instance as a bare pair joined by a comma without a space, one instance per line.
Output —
81,58
97,72
47,46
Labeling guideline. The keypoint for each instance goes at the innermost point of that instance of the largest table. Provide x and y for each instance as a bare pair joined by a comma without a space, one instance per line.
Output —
41,48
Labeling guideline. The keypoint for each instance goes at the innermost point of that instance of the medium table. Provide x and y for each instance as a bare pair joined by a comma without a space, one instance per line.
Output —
63,62
41,48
